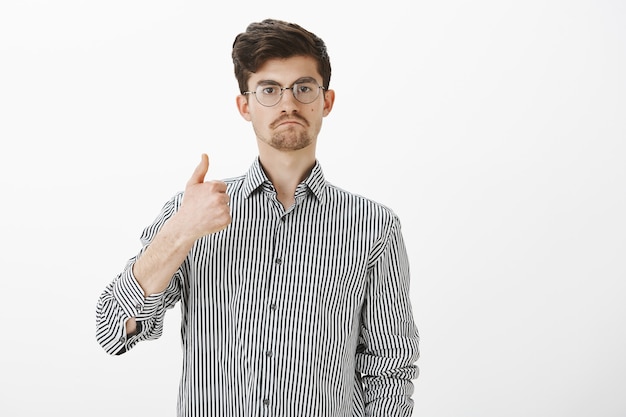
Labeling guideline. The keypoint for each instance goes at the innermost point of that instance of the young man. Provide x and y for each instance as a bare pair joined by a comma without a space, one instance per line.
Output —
294,293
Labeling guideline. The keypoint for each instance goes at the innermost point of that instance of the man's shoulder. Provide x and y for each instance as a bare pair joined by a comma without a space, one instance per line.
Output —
356,201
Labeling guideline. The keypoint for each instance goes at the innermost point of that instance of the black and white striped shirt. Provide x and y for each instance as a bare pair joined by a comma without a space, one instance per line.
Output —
288,313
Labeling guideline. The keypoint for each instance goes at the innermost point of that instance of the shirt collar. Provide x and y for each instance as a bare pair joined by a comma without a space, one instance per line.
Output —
256,177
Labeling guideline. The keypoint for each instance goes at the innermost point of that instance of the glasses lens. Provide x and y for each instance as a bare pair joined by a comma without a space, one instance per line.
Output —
306,92
268,95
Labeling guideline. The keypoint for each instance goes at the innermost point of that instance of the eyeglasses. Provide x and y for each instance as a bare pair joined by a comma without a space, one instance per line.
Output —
268,94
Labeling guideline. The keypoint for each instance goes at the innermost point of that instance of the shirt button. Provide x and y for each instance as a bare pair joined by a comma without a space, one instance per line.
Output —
279,261
273,307
122,339
138,306
266,402
269,353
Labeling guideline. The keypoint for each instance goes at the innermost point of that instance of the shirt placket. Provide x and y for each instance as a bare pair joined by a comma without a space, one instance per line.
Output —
272,304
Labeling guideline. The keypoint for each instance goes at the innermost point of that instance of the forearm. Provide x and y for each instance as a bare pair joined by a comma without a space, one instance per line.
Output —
160,261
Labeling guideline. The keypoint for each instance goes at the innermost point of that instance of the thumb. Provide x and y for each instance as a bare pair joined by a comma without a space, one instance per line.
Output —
198,175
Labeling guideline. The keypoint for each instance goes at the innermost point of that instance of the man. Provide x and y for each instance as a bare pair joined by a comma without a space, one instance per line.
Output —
294,293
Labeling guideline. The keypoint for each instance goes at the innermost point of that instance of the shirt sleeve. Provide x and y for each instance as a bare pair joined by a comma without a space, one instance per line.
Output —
124,298
389,339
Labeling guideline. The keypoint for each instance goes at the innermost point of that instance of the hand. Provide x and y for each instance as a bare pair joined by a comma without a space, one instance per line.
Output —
204,209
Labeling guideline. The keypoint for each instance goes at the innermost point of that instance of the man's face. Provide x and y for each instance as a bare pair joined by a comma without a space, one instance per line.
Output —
289,125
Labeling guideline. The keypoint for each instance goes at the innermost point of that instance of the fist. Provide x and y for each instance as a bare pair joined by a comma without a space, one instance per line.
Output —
204,209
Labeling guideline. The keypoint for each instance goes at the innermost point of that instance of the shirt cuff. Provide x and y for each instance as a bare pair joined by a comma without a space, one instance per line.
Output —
130,297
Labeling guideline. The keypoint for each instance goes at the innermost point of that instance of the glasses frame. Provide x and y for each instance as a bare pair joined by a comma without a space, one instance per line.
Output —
282,89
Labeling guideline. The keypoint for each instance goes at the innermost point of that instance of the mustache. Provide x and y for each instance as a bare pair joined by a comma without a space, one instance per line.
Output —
286,117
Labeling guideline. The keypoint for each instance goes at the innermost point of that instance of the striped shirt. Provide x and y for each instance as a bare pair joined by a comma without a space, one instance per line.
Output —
288,313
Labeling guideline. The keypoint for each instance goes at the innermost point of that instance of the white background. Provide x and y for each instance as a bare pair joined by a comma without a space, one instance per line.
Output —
495,129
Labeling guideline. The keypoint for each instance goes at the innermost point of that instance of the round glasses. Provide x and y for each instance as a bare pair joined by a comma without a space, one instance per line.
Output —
268,94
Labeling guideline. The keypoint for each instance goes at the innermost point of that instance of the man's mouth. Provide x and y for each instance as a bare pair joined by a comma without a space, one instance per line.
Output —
290,121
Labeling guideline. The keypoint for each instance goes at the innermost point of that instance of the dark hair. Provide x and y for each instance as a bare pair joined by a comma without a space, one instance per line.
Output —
273,38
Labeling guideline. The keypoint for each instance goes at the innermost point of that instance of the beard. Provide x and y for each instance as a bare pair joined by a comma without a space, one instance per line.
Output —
291,139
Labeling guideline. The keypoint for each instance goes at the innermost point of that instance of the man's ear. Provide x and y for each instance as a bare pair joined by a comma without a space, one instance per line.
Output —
329,100
243,107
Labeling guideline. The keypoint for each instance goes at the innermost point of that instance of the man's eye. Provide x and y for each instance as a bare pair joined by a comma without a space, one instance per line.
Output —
268,91
304,88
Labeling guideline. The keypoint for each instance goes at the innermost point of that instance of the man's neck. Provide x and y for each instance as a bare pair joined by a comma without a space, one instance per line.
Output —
286,170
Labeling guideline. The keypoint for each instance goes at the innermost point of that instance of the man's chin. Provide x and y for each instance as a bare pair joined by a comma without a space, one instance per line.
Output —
290,142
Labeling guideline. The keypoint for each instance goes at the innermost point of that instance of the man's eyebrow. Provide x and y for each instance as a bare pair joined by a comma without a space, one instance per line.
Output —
305,80
298,81
268,82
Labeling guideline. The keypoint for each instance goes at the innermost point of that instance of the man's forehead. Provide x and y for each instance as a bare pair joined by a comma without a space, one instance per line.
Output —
286,70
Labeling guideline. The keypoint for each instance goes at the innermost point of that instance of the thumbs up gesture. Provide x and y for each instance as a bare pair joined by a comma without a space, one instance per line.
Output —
204,209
